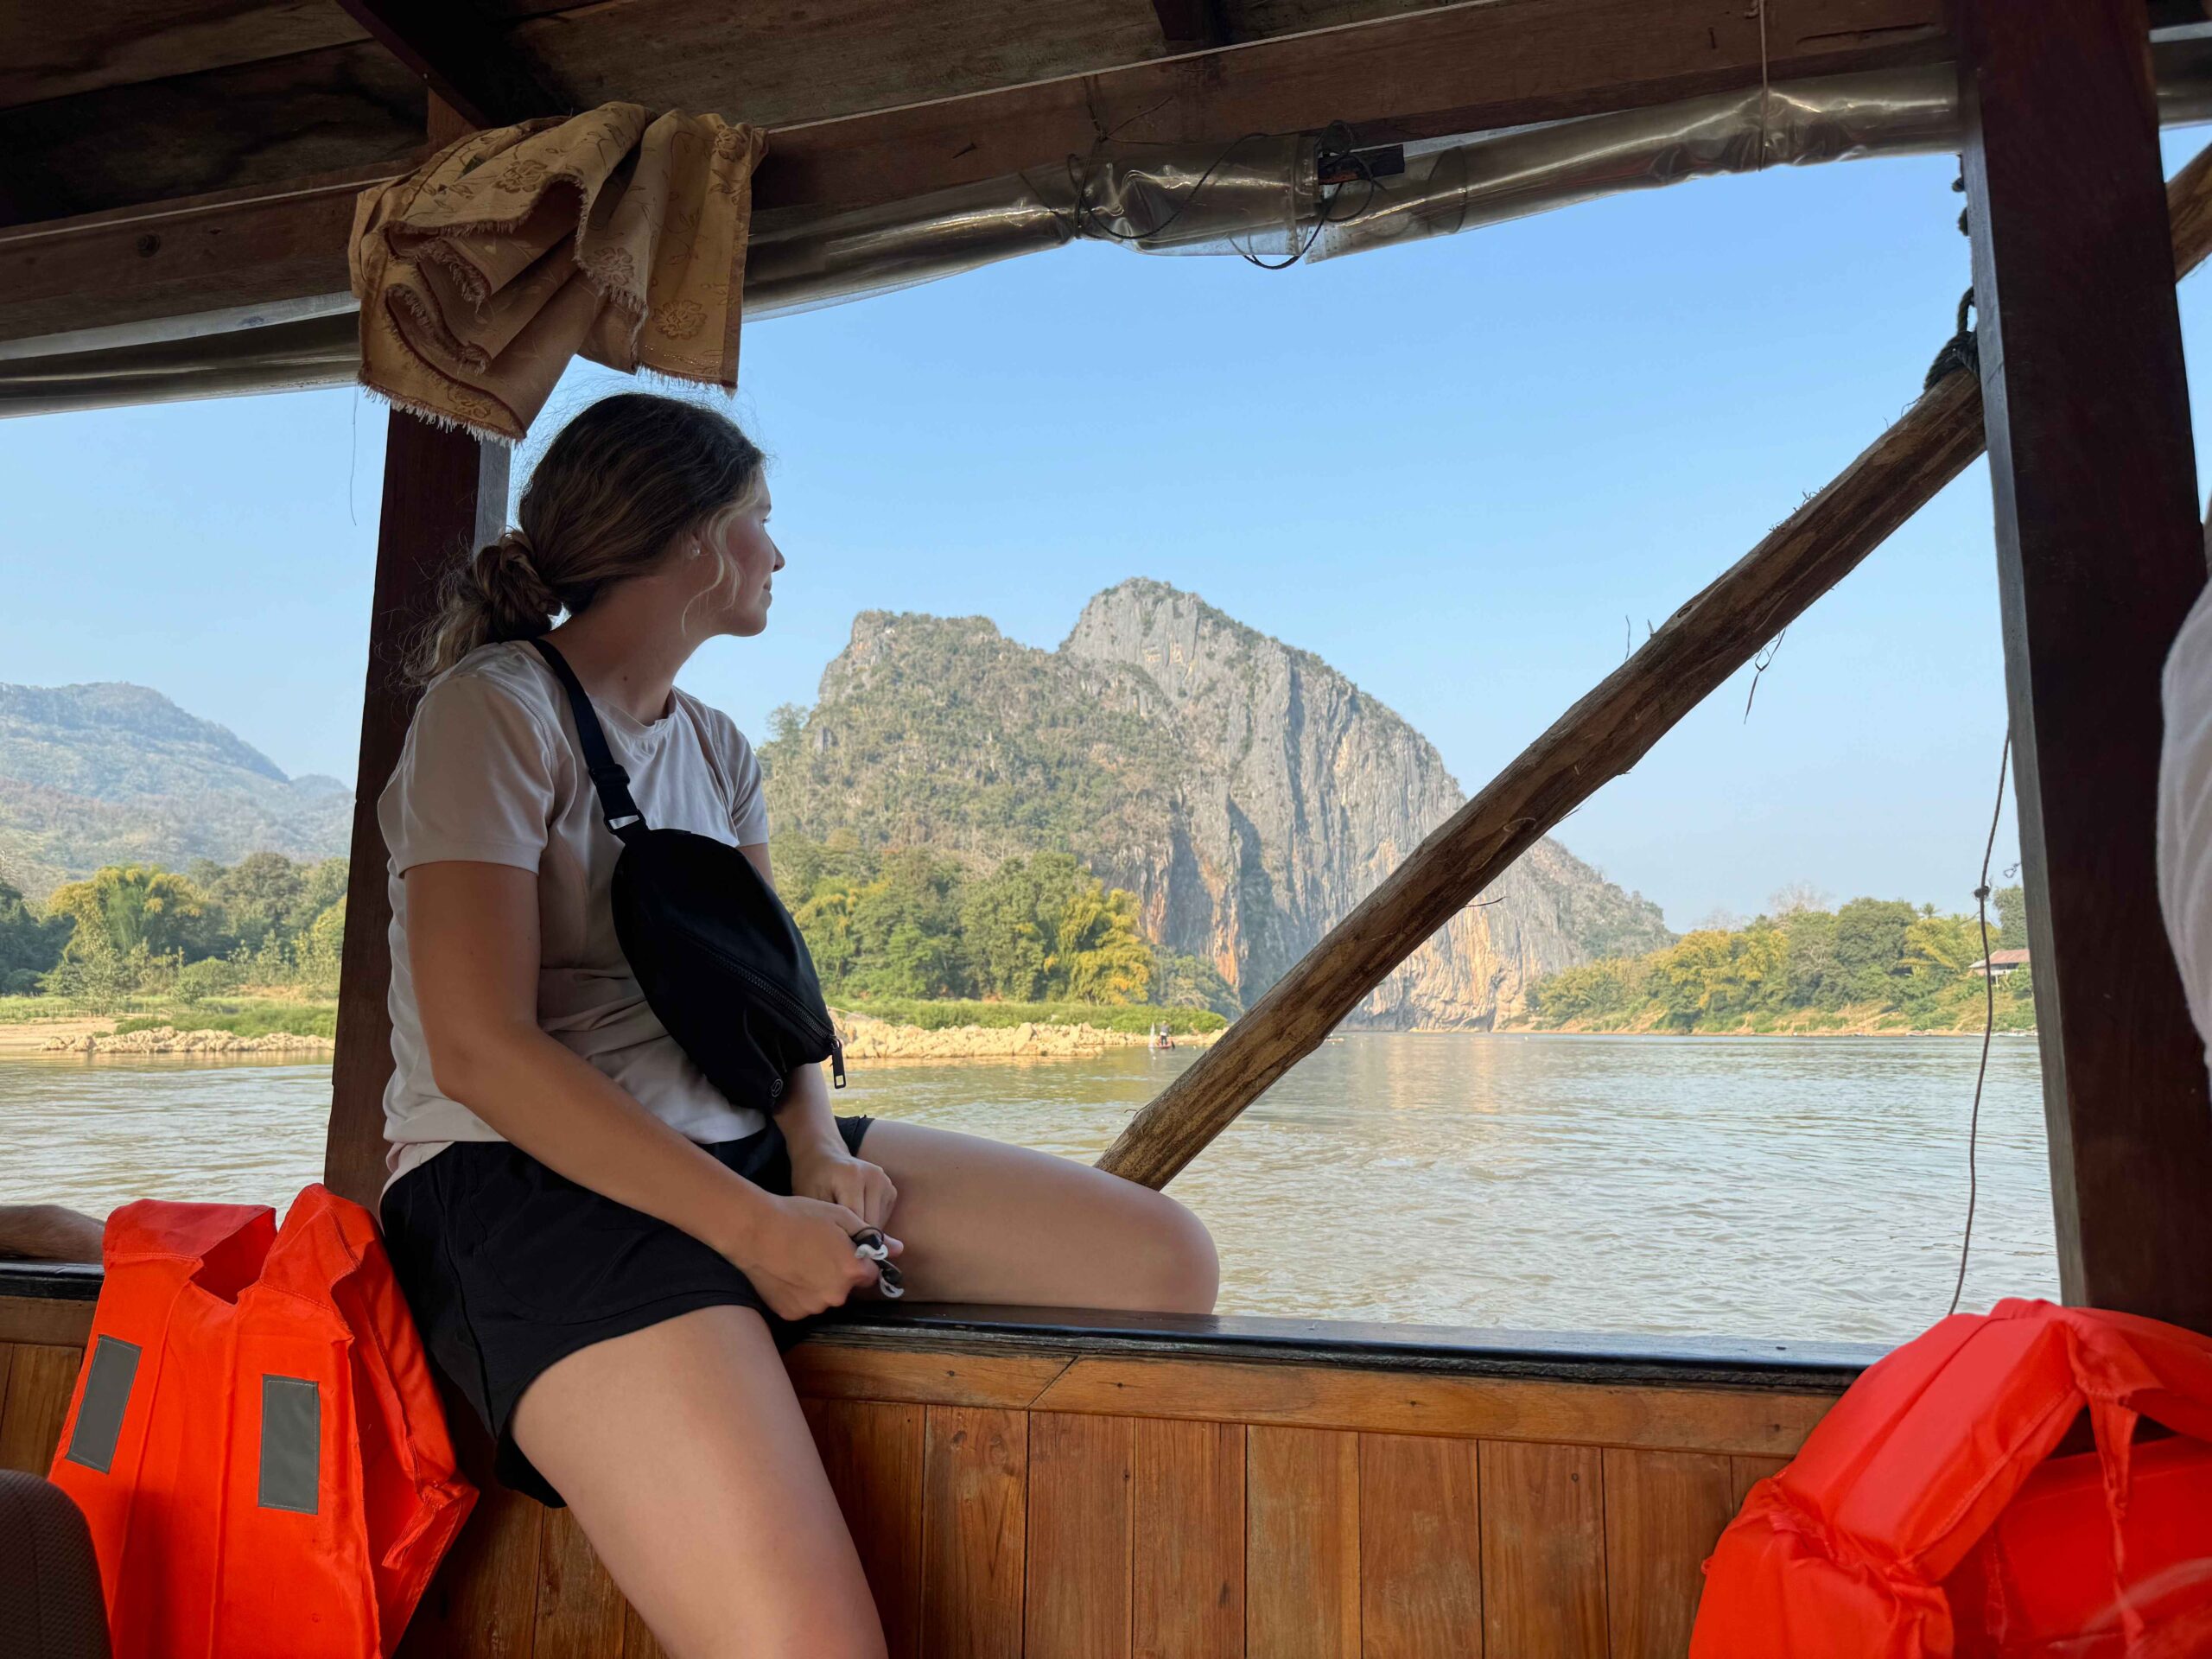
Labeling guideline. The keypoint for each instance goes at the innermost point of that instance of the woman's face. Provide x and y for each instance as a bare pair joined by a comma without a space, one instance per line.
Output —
739,559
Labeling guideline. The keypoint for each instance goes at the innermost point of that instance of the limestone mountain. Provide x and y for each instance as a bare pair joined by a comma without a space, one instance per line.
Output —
1247,792
113,773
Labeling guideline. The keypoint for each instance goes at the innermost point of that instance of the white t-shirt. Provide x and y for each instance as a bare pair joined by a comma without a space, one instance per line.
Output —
491,772
2185,811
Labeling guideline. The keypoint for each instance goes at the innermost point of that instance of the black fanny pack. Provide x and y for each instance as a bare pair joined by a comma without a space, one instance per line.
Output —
717,955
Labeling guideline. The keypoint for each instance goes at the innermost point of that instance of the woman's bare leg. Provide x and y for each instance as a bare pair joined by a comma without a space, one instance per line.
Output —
684,1453
984,1222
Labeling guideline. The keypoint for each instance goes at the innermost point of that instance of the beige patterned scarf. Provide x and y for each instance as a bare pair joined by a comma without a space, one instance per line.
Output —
482,273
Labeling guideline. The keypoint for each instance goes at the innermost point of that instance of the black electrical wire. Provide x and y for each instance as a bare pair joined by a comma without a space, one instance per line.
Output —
1335,150
1988,1028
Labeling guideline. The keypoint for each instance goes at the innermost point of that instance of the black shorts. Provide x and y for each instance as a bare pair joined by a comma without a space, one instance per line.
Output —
510,1267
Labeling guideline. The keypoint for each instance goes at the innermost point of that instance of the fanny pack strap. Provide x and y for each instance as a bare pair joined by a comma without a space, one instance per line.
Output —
607,777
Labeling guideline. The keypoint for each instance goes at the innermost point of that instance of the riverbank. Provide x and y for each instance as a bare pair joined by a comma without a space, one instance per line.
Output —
2014,1019
865,1037
31,1036
168,1040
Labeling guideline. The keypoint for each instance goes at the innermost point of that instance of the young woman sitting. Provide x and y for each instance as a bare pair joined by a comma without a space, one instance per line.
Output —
604,1254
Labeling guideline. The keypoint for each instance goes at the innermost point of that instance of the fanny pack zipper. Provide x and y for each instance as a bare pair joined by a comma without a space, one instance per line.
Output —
775,995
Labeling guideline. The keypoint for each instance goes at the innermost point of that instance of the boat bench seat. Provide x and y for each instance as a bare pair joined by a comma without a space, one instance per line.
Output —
1053,1481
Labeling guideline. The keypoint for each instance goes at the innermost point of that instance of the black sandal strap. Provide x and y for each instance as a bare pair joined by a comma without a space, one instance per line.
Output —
607,777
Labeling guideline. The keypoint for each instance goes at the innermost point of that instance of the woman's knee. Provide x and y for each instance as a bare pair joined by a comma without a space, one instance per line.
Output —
1178,1269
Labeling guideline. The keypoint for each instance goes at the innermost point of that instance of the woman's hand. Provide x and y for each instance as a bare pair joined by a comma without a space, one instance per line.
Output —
835,1176
803,1260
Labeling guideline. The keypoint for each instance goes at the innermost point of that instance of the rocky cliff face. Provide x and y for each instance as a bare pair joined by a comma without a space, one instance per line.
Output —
1248,793
1305,792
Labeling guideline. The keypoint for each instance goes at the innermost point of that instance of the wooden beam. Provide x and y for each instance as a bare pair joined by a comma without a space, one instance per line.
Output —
24,1319
2099,557
1603,735
51,52
264,124
444,494
1191,25
1448,69
1755,1422
773,63
473,68
152,127
1444,70
245,247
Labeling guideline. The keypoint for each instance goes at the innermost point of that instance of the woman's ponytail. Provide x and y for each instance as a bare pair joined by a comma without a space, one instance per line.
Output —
615,489
495,593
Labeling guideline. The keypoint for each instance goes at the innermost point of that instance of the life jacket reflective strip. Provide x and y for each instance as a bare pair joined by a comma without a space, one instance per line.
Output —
1852,1549
255,1439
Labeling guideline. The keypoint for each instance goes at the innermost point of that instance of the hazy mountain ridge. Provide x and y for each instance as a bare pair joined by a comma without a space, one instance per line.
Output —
1248,793
114,773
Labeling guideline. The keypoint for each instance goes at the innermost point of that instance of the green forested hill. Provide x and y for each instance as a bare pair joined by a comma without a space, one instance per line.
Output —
104,774
940,731
1244,794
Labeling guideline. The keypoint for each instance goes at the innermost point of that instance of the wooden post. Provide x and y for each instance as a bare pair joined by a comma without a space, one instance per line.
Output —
445,492
2099,557
1600,737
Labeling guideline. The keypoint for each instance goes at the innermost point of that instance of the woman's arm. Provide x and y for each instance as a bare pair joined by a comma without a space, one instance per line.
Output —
48,1232
821,1168
472,946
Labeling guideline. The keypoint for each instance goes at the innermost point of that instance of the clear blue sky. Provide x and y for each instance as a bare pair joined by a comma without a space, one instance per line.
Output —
1452,470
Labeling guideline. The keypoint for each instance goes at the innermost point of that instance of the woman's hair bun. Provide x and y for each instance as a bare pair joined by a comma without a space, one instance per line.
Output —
506,574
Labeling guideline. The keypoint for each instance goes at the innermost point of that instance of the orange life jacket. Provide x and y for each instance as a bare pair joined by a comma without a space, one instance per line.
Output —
254,1438
1921,1520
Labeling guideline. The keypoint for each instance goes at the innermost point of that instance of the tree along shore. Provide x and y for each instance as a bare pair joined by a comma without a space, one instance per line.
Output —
913,926
1870,966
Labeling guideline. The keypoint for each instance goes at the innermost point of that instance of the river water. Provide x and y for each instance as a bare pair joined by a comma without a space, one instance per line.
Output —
1764,1186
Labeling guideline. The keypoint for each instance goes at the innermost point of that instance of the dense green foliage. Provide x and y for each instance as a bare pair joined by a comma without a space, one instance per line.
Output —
946,734
1884,961
913,925
30,942
132,932
921,925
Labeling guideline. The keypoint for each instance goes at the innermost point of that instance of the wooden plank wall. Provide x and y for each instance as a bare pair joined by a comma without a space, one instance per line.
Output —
1108,1507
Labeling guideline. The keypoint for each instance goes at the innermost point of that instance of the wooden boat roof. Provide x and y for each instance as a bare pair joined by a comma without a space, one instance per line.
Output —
167,157
132,101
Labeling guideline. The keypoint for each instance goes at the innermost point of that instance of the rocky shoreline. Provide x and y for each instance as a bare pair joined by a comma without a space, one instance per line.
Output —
866,1038
168,1040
